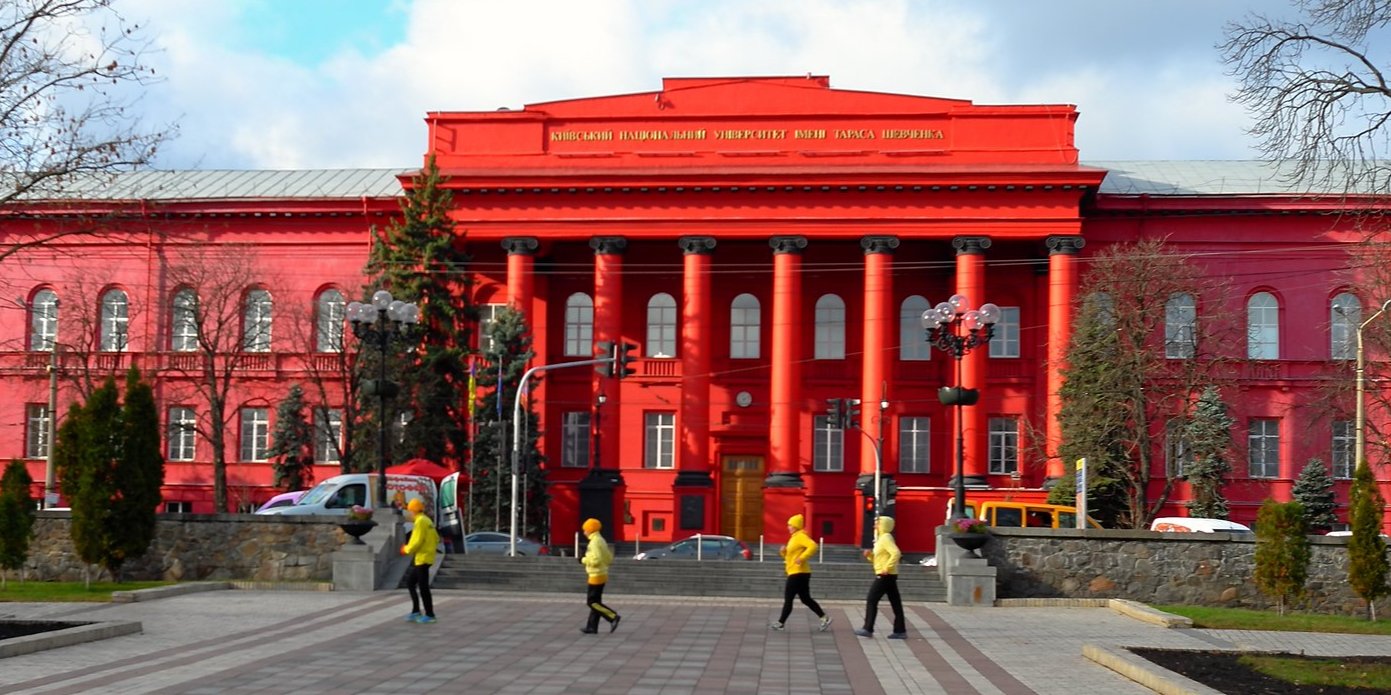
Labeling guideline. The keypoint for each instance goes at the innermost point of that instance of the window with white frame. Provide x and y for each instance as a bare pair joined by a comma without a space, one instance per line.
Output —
36,431
579,324
182,434
1344,442
1263,327
1005,341
744,325
255,433
328,435
575,439
1178,453
1180,320
487,318
830,328
661,326
827,442
912,339
913,438
115,321
659,440
1263,448
329,313
1344,316
43,320
1004,445
256,324
178,507
183,321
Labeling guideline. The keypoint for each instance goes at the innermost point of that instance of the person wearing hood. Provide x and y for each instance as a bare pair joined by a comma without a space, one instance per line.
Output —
596,561
796,558
421,549
885,557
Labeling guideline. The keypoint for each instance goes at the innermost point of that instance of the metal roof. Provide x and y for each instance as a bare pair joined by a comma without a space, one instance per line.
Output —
218,184
1221,178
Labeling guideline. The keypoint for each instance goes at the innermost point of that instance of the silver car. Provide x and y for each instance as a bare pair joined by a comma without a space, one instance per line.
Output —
495,543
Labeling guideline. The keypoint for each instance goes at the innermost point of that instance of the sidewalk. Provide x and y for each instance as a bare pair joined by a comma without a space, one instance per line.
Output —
306,642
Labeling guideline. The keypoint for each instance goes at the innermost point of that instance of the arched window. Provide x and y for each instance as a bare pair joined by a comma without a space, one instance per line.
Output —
1344,316
912,340
183,323
830,328
579,324
1180,320
661,326
115,321
1263,327
328,321
256,325
744,325
43,320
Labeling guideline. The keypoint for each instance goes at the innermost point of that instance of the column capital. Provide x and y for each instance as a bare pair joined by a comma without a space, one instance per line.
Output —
607,245
966,245
1068,245
878,244
788,244
696,244
520,245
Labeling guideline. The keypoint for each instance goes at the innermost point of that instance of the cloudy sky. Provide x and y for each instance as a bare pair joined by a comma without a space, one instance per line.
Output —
346,83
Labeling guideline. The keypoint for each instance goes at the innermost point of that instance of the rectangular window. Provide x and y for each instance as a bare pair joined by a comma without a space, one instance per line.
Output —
1263,448
1177,452
743,328
659,445
913,445
328,435
36,431
575,440
1004,445
827,442
1344,457
579,326
178,507
487,318
182,433
255,433
1005,341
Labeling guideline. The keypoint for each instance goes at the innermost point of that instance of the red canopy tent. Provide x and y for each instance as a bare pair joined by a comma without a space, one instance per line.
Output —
424,467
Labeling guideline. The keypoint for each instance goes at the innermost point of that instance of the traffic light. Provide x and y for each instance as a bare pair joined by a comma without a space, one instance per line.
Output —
852,413
835,415
622,359
604,349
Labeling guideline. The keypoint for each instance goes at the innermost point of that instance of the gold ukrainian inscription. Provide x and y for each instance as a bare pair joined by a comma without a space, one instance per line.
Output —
656,135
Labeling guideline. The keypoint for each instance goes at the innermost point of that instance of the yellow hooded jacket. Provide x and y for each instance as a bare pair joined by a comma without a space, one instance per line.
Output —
423,540
800,548
597,558
886,553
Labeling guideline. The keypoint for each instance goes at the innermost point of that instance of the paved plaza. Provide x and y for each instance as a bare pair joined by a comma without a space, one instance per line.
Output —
243,641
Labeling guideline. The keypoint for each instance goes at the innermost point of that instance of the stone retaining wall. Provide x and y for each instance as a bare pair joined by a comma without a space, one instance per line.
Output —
1207,569
202,546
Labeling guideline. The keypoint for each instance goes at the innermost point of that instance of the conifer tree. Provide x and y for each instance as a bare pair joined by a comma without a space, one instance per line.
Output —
138,475
16,518
87,448
1314,489
1090,421
1282,551
292,445
1208,433
510,347
1367,565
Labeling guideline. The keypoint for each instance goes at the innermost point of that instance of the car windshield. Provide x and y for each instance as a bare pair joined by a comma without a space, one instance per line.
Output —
319,494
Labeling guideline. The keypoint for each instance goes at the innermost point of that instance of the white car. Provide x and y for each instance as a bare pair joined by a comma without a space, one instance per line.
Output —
1184,524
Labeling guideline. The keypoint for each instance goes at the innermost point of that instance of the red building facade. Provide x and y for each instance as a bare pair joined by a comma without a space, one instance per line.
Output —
767,244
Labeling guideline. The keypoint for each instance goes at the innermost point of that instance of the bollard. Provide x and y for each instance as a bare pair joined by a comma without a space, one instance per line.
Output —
577,544
697,537
637,545
821,550
760,547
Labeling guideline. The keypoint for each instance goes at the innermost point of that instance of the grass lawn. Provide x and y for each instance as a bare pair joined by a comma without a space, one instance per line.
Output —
1348,673
1248,619
53,592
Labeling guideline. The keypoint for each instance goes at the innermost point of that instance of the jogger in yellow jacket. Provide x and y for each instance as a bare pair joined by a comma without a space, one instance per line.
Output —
885,557
421,549
596,561
796,558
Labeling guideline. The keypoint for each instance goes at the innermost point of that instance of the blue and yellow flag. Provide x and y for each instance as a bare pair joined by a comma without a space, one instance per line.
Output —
472,389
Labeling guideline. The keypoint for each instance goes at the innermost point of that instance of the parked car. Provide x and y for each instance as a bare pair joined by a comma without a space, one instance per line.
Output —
283,499
711,548
495,543
340,493
1183,524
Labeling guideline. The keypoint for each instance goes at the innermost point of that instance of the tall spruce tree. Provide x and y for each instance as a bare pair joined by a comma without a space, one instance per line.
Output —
138,475
1314,489
1208,434
509,346
292,444
1367,565
86,452
16,518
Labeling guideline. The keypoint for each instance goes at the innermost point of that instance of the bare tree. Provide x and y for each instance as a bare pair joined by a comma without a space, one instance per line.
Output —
70,71
94,317
330,362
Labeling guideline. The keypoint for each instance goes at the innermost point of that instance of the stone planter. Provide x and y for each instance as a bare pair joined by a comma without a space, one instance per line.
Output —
357,529
970,542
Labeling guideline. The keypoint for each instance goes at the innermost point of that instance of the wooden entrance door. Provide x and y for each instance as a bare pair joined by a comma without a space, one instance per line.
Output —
741,497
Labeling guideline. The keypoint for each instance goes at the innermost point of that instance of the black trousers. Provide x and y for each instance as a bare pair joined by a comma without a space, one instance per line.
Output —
799,585
594,598
418,583
884,585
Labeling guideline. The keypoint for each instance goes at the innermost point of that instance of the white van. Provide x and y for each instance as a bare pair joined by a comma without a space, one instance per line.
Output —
1183,524
338,494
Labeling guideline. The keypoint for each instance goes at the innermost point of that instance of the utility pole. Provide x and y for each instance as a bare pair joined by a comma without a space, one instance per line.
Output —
50,491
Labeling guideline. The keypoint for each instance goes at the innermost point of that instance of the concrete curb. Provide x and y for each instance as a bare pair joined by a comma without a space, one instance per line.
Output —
1143,613
1144,672
251,585
1051,602
67,637
158,592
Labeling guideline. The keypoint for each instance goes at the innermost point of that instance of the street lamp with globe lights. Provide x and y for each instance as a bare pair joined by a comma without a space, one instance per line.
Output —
379,324
957,329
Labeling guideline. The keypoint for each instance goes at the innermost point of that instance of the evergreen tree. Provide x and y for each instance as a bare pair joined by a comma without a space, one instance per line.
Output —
1208,433
1282,551
510,347
1367,565
16,518
1314,489
292,445
138,475
1090,421
88,447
